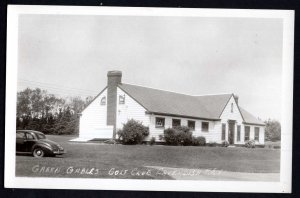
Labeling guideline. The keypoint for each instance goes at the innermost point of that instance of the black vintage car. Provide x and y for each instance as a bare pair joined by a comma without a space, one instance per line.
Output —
35,142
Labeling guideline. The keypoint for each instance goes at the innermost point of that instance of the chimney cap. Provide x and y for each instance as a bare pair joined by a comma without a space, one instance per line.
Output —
114,73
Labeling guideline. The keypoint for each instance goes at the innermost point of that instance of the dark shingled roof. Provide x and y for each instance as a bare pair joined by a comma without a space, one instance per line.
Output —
215,103
170,103
249,118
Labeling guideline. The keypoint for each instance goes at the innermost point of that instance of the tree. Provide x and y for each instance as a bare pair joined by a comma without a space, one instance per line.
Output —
77,104
24,103
39,110
65,123
88,100
36,103
273,130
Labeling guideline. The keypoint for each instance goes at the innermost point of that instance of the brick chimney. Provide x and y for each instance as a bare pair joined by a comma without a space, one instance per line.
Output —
236,97
113,79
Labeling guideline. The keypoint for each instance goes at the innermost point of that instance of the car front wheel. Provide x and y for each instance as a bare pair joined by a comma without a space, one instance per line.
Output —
38,152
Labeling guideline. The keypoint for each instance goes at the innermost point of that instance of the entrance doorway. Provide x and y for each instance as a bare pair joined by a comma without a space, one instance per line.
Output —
231,127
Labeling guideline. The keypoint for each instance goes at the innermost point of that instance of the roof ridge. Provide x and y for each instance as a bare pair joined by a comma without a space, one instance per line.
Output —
177,92
213,94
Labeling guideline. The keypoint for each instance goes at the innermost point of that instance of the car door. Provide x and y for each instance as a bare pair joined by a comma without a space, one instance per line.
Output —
29,142
20,141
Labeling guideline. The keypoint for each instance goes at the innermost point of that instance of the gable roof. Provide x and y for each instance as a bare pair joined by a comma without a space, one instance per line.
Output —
170,103
167,102
215,103
162,102
93,99
249,118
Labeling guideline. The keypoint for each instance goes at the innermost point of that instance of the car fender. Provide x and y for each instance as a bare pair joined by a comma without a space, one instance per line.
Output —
47,147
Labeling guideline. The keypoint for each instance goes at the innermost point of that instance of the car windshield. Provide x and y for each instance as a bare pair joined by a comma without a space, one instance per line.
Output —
40,136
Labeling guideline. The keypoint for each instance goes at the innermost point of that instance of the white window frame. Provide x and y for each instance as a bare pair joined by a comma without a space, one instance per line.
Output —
238,133
176,120
192,129
122,99
162,125
206,130
248,133
103,100
257,134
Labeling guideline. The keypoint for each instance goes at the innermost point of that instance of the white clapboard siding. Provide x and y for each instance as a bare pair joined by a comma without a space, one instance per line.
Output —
261,135
210,135
236,115
131,109
93,120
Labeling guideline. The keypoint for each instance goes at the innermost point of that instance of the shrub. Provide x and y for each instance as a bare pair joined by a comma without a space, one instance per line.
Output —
152,141
199,141
133,132
179,135
250,144
225,143
170,136
183,135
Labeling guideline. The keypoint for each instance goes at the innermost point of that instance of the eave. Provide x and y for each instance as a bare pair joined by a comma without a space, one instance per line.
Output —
257,124
182,116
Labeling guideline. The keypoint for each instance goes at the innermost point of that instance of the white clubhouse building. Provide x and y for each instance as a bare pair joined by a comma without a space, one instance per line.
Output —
216,117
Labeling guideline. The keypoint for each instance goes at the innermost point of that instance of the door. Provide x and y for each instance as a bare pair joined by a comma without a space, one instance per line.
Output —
29,142
231,132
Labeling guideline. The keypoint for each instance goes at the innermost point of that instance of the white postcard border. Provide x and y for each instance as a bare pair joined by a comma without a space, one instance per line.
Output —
284,186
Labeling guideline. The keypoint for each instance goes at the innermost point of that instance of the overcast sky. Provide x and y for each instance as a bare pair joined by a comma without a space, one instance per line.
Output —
193,55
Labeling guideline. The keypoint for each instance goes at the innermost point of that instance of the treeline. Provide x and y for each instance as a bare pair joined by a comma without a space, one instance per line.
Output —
272,130
39,110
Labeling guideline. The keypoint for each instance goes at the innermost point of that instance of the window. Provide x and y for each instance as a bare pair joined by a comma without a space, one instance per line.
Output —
231,107
191,125
159,122
29,136
103,101
40,136
256,137
20,135
223,131
238,138
247,133
121,99
205,126
176,122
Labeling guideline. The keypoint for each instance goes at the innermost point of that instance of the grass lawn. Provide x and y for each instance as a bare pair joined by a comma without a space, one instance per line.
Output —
269,144
96,160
